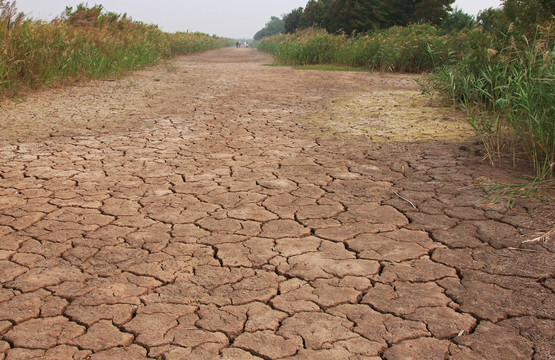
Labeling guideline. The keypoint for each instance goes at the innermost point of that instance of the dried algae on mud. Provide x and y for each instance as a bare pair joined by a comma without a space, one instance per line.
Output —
390,115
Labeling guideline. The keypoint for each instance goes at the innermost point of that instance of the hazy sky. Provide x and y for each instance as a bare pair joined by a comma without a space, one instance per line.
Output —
229,18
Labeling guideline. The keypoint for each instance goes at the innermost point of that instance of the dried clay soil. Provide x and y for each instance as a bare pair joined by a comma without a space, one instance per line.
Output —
218,208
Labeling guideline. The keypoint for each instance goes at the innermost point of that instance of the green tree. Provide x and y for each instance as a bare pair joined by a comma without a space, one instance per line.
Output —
399,13
354,16
523,16
292,20
432,11
273,27
457,20
405,12
527,14
490,19
313,14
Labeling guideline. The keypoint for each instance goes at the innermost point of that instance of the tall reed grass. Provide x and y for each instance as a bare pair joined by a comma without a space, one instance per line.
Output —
416,48
83,44
509,95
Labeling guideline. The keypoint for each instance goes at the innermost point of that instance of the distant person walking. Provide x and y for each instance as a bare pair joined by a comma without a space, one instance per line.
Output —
246,44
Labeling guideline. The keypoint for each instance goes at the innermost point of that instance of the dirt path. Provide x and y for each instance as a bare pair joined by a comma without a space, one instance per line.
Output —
204,209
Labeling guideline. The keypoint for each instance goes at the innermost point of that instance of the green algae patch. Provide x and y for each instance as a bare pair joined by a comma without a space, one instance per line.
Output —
391,115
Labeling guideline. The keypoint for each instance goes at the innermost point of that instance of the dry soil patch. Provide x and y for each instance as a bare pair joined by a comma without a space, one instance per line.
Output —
203,211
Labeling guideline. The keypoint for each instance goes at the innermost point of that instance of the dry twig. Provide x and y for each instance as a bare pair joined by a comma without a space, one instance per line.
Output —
403,198
545,237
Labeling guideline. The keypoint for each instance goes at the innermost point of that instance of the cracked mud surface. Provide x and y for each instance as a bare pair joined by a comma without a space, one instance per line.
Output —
197,214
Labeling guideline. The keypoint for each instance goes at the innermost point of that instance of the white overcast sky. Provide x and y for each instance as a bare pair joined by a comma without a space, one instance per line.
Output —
228,18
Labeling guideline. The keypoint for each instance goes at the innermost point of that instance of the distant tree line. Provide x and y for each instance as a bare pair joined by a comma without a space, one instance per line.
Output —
361,16
273,27
358,16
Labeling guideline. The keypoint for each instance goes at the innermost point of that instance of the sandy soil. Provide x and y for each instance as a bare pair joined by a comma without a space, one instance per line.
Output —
219,208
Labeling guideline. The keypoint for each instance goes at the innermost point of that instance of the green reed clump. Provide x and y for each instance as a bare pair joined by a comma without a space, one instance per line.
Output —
82,43
182,43
415,48
508,90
